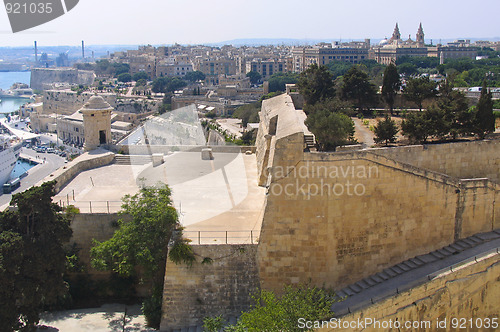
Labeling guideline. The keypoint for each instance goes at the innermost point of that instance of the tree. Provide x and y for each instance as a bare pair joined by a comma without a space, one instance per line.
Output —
278,81
141,241
140,76
451,114
419,89
417,127
391,85
32,258
329,123
193,76
356,87
386,130
484,119
255,77
124,77
167,84
316,84
274,313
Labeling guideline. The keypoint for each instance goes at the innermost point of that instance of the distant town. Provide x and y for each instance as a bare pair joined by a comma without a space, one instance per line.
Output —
345,182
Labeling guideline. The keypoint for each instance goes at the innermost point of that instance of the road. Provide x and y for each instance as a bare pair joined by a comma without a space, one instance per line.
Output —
48,164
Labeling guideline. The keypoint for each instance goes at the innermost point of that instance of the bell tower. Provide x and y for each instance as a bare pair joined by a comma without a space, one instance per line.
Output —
420,36
396,35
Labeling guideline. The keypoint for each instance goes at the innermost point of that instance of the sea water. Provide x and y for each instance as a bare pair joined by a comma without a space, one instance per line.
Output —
10,104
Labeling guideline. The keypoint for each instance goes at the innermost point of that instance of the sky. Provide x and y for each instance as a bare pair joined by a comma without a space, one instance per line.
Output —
127,22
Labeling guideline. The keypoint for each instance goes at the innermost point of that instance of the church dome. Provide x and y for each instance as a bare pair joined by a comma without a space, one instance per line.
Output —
383,42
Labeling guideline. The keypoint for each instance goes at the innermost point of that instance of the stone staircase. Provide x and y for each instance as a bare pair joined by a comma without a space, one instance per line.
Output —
387,274
310,142
122,159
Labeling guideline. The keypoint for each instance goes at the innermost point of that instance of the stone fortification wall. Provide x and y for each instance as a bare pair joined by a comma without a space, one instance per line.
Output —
67,102
464,160
222,287
335,218
87,227
465,298
41,76
84,162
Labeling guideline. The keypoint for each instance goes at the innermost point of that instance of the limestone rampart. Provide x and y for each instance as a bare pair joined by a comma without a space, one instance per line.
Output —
465,298
84,162
41,76
222,286
334,218
464,160
66,102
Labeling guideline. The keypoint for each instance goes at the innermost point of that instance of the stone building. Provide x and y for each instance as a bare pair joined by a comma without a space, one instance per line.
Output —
323,54
96,122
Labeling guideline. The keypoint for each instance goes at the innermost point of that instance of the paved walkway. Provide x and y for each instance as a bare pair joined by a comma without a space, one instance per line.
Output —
212,196
363,134
109,317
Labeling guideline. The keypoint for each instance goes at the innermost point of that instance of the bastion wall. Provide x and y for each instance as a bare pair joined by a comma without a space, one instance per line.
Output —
334,218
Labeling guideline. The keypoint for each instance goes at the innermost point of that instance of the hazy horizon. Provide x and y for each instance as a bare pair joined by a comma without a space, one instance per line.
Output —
127,22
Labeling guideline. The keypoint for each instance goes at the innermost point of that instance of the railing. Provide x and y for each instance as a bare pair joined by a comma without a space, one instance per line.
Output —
90,206
222,237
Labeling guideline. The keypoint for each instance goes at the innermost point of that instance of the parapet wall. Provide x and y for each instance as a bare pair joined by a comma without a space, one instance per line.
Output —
221,287
89,160
463,160
466,299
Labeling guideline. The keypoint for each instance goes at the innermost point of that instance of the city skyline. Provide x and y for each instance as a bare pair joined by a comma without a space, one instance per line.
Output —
201,22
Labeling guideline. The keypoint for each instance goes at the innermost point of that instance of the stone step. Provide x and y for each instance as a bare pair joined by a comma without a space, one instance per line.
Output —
475,239
397,269
348,291
443,252
390,272
469,242
417,261
363,284
464,244
453,248
341,294
410,264
370,281
376,278
355,288
461,246
437,255
403,267
497,231
428,258
383,276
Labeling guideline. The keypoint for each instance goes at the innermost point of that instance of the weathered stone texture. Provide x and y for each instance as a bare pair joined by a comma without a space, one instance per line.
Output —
88,227
464,160
223,287
470,293
334,218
